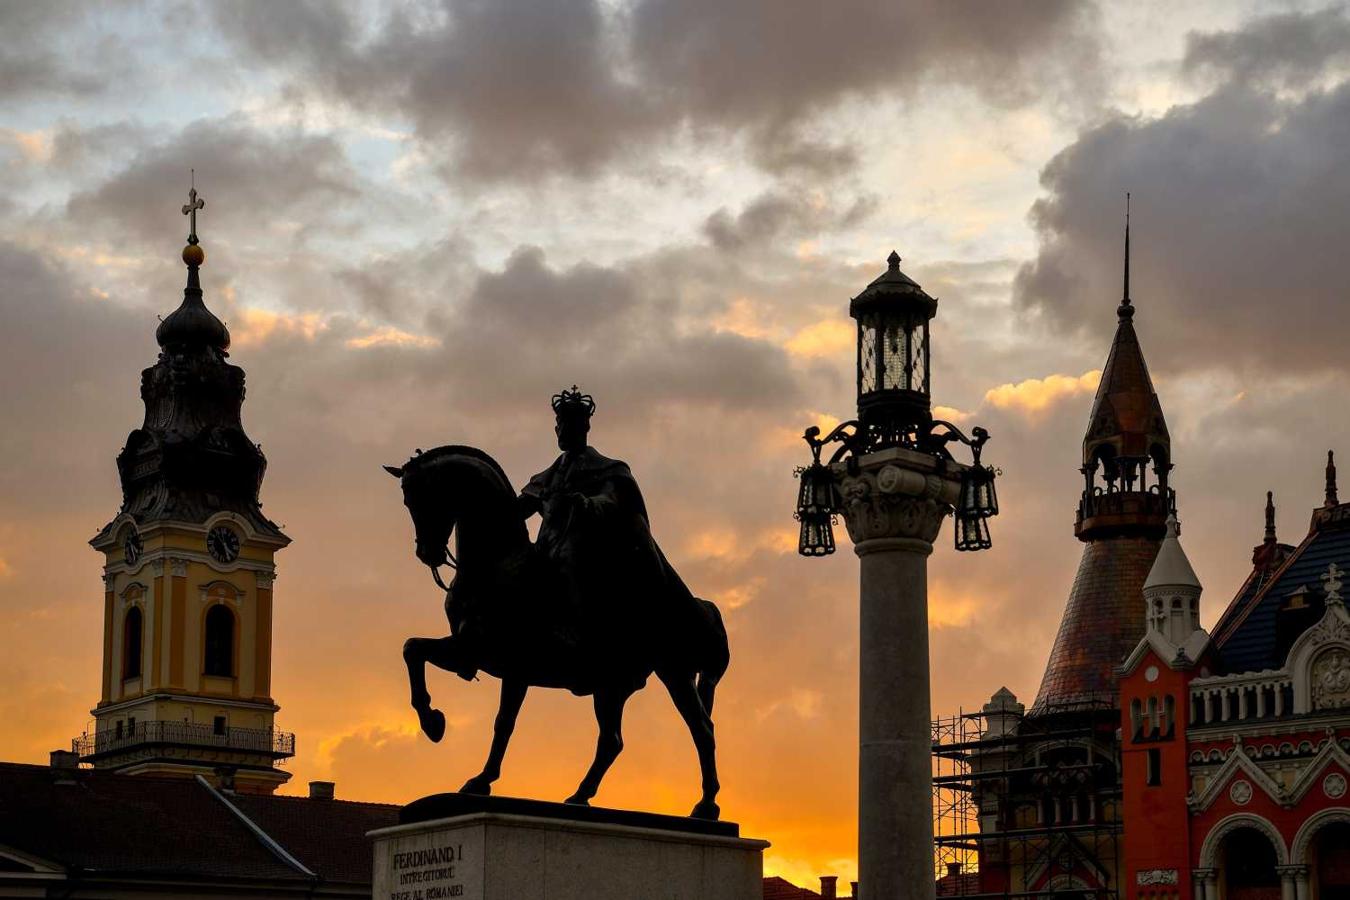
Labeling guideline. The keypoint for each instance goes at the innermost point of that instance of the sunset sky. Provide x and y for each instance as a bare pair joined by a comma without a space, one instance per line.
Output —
423,219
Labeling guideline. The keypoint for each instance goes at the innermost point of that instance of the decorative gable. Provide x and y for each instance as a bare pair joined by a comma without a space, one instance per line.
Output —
1238,770
1322,773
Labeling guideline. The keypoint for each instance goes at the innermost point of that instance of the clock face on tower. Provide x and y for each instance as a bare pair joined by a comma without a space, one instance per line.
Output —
223,544
131,547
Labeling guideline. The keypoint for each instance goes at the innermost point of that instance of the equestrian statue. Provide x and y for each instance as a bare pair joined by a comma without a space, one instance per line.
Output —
592,606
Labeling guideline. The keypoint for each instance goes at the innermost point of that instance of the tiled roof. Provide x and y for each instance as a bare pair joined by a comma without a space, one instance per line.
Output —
776,888
958,885
327,836
1102,623
1248,635
100,822
115,823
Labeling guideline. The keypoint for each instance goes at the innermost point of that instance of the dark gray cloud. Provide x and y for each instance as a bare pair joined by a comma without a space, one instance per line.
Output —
33,61
525,330
521,88
782,213
57,351
1242,204
291,176
1292,48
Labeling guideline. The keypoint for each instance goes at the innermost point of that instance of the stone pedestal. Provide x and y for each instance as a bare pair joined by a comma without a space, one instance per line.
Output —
505,849
894,504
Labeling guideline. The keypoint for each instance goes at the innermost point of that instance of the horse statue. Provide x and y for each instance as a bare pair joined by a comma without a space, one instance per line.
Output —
516,613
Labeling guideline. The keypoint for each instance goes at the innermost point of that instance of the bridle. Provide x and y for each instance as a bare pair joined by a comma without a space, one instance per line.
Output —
449,561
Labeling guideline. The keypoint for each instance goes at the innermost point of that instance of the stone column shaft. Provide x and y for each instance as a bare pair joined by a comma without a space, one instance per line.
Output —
894,504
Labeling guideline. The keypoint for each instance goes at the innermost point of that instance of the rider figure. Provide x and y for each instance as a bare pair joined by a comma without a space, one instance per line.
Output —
593,526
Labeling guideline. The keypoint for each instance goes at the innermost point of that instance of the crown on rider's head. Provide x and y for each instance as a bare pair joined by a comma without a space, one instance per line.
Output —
573,403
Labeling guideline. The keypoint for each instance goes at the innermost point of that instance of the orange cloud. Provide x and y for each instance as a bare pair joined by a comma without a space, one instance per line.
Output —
950,413
742,318
6,570
1036,395
830,338
389,336
255,326
34,146
728,545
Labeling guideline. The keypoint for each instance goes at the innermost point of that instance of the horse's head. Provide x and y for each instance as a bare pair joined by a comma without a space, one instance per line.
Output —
431,506
441,486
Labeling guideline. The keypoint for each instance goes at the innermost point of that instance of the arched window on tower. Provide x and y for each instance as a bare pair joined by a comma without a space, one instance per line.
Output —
132,641
218,657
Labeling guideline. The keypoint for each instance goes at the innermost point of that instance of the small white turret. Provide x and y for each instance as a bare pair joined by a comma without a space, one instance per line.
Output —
1002,714
1172,592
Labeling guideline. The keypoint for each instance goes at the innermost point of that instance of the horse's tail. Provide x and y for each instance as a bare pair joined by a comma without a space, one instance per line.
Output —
716,656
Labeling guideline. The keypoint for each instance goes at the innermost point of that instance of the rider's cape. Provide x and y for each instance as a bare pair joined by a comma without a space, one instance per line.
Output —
628,598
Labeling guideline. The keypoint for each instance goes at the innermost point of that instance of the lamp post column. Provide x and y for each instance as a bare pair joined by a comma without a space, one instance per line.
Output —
894,502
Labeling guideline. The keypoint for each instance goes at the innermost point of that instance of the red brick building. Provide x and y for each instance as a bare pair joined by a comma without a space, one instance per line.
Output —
1158,761
1235,746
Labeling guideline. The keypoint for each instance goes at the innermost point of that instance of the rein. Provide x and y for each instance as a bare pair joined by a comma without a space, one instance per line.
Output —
436,570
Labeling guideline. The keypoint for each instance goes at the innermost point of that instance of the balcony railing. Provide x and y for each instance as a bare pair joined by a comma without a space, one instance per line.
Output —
1118,502
270,741
1246,696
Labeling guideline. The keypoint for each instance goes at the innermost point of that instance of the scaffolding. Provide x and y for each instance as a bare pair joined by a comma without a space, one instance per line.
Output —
1027,805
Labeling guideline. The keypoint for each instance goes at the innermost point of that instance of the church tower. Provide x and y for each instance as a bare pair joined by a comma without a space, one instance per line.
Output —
1122,517
188,571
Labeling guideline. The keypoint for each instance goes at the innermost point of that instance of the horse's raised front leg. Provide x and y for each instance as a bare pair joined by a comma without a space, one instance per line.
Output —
417,652
685,695
609,716
513,695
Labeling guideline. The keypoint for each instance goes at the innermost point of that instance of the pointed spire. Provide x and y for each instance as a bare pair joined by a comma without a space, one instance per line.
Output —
1331,499
1270,517
1126,412
1126,309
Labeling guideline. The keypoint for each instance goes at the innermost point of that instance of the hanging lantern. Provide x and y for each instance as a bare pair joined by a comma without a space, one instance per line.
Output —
894,396
976,503
817,504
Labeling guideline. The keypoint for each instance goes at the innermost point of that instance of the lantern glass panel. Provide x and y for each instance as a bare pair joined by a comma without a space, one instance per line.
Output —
919,367
895,357
867,356
817,536
986,499
972,532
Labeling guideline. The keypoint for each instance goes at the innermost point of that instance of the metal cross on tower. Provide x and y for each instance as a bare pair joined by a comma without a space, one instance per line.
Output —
190,208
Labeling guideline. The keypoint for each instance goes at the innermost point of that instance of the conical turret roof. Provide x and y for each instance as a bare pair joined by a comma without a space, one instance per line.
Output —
1126,414
1171,568
1126,419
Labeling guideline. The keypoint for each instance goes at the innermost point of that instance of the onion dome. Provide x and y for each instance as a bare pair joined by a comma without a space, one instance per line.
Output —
192,324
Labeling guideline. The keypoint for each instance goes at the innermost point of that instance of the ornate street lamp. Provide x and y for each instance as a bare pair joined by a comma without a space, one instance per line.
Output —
895,410
894,480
